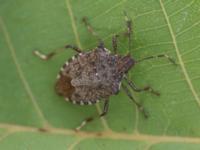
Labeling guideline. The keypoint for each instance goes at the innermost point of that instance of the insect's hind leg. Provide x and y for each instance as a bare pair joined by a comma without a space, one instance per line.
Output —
56,51
140,107
136,89
90,119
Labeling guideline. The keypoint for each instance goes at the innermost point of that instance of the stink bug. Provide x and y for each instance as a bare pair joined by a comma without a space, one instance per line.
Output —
93,76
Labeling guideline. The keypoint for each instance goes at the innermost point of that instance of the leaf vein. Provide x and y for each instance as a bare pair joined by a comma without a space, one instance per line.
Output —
105,134
74,28
74,144
21,74
185,73
187,29
191,50
110,9
146,14
176,12
4,136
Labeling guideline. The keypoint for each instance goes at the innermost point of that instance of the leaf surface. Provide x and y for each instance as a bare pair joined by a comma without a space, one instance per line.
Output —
32,116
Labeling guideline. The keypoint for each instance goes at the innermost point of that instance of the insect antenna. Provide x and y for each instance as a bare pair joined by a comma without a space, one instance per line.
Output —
91,30
128,33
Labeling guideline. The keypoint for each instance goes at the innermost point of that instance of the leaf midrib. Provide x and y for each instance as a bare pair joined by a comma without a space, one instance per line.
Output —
12,129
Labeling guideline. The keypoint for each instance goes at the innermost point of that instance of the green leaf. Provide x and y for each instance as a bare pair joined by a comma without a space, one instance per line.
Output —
32,116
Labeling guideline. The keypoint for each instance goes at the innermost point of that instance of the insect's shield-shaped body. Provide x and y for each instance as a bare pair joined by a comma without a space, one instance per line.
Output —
92,76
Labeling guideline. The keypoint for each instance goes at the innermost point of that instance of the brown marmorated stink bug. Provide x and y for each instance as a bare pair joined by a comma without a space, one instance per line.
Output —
93,76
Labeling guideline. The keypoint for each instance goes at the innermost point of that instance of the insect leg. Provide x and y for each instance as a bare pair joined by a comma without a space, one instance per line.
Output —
158,56
89,27
75,48
135,88
114,43
89,119
83,123
91,30
129,31
105,108
140,107
54,52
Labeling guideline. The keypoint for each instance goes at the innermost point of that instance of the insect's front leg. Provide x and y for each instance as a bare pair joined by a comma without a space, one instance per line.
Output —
56,51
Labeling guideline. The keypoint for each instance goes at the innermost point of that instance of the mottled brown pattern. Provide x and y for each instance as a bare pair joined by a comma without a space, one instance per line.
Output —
92,76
